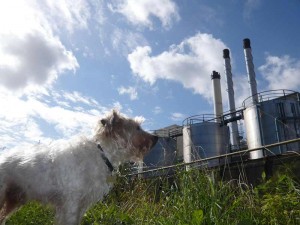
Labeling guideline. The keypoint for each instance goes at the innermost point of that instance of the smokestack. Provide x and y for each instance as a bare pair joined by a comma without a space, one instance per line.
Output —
218,106
253,128
234,134
250,70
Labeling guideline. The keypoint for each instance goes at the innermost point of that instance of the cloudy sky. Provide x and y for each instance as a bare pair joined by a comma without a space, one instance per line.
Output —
64,64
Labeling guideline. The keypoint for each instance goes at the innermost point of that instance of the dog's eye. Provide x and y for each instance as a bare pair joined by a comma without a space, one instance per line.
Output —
103,121
138,128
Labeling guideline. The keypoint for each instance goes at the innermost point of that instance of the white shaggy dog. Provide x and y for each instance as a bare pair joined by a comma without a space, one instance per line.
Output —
72,176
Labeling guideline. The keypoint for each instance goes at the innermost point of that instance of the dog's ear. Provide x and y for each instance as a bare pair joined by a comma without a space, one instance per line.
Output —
115,118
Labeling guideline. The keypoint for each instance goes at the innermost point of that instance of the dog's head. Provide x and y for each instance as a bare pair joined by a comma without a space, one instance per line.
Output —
123,137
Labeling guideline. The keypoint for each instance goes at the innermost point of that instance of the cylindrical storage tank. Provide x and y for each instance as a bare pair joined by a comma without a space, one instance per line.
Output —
253,130
274,119
280,122
162,154
207,139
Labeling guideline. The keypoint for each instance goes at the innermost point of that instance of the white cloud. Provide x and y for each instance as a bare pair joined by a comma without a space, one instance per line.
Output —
177,116
125,40
46,117
27,119
281,72
140,12
34,36
30,54
77,97
250,6
131,91
87,52
157,110
139,119
190,63
117,105
68,14
47,59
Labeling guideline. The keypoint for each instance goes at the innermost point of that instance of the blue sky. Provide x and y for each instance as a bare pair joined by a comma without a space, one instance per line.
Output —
64,64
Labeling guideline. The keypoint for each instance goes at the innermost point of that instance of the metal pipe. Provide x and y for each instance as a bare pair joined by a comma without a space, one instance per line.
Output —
234,132
253,130
187,144
218,105
250,70
277,133
262,152
254,99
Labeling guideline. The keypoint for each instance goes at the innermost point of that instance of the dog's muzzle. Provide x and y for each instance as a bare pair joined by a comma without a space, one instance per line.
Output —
154,141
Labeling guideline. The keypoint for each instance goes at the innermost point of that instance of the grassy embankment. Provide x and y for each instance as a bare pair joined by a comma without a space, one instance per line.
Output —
192,197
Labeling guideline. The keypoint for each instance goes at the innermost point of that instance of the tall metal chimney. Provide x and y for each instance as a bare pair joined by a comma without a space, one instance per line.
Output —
250,70
234,132
218,105
252,112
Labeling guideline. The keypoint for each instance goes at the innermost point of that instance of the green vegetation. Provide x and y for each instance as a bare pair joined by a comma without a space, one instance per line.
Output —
193,197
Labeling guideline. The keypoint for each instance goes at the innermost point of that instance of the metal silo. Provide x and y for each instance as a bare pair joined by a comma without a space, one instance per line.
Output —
278,116
203,138
162,154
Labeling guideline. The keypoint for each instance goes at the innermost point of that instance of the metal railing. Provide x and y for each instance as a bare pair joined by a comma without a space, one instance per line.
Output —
199,119
226,117
169,132
217,157
269,95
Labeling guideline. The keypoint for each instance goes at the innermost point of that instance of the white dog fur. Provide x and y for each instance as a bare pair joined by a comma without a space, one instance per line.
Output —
71,176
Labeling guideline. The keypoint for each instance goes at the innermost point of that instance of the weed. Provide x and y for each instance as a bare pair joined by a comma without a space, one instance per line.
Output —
192,197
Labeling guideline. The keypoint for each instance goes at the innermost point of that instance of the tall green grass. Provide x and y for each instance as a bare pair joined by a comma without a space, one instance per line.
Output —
193,197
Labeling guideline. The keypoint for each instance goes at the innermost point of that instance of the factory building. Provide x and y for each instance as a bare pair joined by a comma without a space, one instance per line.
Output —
269,117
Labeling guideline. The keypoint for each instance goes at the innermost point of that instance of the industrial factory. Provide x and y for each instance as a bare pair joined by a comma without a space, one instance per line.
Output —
270,119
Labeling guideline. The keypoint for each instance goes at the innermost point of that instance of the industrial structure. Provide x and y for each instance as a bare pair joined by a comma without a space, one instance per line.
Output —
269,117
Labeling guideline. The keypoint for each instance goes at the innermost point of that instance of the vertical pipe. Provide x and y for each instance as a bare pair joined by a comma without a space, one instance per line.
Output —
234,132
253,130
218,106
253,127
250,70
187,144
140,168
